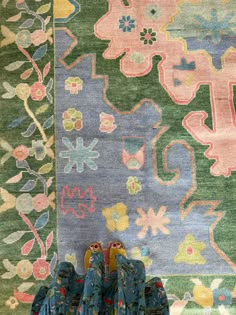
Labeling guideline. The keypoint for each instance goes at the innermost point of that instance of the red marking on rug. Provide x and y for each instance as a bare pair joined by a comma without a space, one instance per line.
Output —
81,207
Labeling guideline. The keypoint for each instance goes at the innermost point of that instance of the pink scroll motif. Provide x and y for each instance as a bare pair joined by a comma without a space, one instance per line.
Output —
75,195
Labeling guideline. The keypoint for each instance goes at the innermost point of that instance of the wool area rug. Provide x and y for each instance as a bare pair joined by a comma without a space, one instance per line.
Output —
118,123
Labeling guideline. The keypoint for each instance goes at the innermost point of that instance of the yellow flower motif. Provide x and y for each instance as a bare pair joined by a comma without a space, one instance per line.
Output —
12,302
72,119
190,251
142,255
72,259
23,91
116,217
24,269
203,296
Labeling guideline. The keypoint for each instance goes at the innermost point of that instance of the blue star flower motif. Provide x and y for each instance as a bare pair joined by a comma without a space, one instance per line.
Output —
79,155
214,27
222,296
126,23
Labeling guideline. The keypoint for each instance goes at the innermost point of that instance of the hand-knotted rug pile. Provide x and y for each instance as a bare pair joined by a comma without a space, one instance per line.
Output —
117,122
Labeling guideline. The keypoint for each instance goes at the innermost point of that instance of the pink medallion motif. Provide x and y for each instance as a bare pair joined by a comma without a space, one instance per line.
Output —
140,33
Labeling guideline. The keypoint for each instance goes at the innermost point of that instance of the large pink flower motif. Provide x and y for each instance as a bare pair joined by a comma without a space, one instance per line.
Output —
40,269
40,202
38,37
38,91
20,153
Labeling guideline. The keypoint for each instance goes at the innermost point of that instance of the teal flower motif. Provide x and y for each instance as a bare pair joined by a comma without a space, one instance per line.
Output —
207,25
126,23
79,155
214,27
222,297
38,150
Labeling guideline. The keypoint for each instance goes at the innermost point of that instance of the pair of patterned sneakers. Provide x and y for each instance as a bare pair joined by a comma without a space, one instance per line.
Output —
114,248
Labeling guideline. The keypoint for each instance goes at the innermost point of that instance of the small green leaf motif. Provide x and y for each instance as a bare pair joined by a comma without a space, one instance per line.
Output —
11,92
8,265
14,237
10,268
5,158
4,3
41,109
8,275
8,86
46,168
14,65
44,8
25,286
5,145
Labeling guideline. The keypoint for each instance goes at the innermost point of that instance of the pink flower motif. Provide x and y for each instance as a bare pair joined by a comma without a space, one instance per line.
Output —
40,202
107,123
38,91
20,153
38,37
40,269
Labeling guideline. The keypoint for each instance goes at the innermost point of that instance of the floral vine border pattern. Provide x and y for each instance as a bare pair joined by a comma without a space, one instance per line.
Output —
30,202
